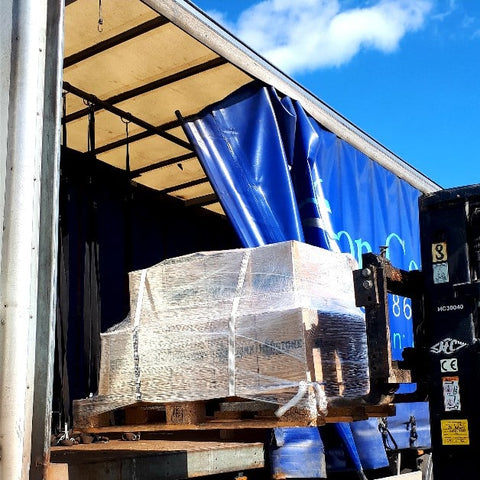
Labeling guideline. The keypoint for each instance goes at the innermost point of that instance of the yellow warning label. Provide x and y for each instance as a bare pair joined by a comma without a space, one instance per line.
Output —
455,432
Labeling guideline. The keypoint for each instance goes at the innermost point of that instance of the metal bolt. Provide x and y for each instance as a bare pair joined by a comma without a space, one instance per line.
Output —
366,272
367,284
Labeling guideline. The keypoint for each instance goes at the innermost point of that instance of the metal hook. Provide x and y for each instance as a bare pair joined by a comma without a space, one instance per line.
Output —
127,150
100,17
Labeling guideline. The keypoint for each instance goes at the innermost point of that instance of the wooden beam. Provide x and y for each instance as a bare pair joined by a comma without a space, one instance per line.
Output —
114,41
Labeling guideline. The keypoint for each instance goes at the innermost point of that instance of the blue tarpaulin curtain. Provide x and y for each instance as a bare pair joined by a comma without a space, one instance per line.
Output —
281,176
246,147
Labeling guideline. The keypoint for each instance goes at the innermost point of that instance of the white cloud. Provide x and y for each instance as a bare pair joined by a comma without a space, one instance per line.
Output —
451,8
221,18
304,35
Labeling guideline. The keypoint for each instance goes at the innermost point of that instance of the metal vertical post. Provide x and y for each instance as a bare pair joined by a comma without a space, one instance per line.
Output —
24,149
48,243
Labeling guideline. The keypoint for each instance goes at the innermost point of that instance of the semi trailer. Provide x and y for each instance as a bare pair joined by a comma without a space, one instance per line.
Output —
135,132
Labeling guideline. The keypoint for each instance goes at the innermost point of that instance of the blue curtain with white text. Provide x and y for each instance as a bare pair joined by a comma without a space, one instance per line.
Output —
281,176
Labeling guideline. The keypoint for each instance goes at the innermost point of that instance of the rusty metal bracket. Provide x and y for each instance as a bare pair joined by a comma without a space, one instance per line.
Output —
372,285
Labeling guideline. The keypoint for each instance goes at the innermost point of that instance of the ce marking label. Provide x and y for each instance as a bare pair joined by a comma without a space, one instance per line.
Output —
448,365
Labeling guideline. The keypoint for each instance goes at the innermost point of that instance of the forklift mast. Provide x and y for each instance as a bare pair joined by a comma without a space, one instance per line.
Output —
450,251
445,300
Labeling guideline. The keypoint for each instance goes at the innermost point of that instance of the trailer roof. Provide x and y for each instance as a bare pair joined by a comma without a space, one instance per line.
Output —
145,60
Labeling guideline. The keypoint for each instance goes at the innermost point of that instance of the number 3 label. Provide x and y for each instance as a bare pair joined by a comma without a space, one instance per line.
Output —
439,252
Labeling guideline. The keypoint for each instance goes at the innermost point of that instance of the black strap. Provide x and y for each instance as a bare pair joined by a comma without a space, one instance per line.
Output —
63,402
64,114
91,128
387,435
128,257
100,17
127,146
91,275
412,422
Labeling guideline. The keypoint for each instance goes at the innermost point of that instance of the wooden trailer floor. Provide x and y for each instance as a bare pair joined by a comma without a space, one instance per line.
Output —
155,459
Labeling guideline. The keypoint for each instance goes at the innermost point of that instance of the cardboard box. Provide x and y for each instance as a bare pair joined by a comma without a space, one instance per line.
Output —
249,322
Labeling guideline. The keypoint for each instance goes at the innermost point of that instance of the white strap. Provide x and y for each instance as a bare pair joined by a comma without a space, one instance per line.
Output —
232,324
321,397
141,289
302,390
318,394
136,324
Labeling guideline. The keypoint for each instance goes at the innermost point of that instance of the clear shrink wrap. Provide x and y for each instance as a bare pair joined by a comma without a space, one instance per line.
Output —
258,323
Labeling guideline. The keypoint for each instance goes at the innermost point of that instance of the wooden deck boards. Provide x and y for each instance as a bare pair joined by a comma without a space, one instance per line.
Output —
153,459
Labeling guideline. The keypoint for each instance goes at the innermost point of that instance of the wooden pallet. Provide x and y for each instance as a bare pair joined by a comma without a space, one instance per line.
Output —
218,415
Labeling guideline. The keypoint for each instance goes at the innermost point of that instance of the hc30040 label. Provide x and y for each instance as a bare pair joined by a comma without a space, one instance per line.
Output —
450,308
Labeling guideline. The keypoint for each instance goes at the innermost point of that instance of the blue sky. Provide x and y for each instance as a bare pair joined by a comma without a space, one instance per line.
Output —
405,71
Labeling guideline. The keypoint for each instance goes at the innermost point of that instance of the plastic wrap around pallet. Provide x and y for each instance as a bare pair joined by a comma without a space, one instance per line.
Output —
254,323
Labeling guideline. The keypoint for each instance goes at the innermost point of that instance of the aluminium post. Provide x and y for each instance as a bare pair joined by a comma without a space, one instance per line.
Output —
24,149
48,242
